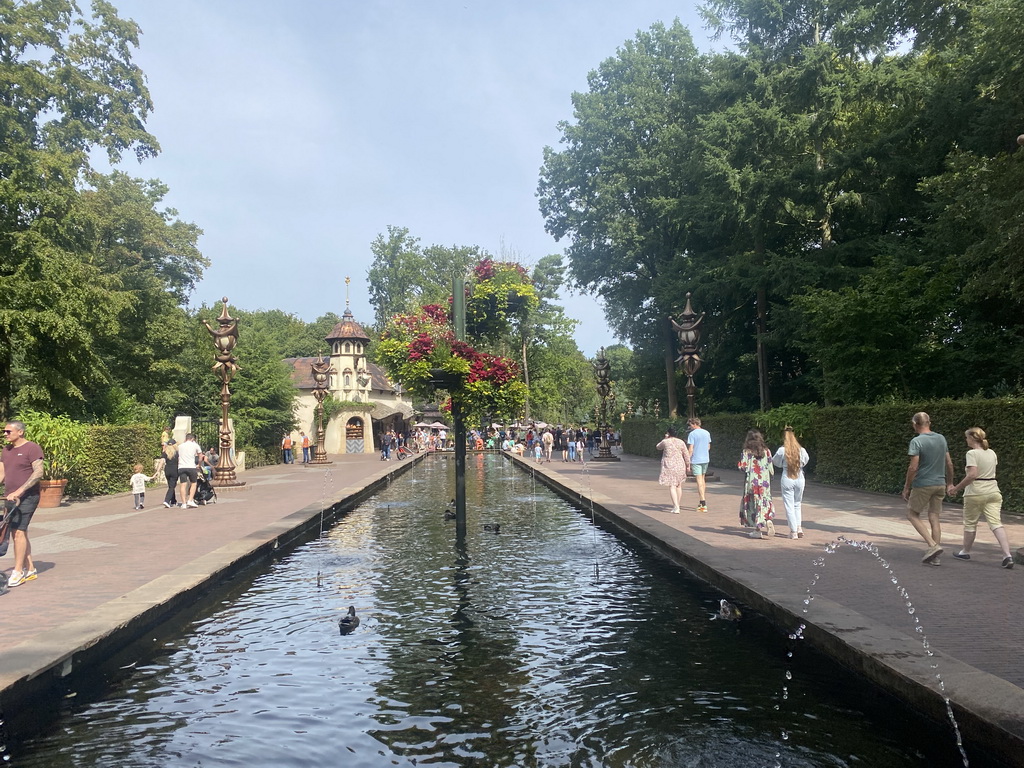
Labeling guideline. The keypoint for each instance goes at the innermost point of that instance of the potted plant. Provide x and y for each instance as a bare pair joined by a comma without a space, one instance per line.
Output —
63,443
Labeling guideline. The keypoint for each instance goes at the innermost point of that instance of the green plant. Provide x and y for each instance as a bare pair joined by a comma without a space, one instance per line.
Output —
62,439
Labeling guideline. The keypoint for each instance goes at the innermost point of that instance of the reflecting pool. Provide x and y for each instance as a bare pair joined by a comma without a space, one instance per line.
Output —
549,643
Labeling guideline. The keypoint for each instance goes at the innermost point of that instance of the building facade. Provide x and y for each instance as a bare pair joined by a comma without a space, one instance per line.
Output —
373,405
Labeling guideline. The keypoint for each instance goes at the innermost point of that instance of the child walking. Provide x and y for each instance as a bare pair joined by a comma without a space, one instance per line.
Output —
138,481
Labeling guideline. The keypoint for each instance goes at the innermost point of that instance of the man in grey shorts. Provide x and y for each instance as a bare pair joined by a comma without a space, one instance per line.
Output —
929,474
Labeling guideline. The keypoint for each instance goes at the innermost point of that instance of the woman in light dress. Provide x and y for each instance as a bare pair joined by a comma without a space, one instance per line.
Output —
981,495
792,458
675,463
756,509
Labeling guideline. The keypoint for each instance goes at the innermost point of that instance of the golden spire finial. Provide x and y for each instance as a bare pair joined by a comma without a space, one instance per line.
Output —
347,281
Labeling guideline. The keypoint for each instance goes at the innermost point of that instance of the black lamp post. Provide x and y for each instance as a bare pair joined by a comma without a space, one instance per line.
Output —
224,339
602,373
689,339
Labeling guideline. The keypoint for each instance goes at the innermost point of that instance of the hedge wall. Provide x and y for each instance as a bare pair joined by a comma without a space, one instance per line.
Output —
110,454
864,446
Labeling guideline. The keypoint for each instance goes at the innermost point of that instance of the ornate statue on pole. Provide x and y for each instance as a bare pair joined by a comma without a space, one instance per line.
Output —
321,370
688,330
602,373
225,336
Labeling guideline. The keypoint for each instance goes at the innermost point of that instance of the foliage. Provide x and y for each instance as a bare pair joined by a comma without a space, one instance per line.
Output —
109,454
333,406
405,276
411,347
499,294
89,266
864,446
63,441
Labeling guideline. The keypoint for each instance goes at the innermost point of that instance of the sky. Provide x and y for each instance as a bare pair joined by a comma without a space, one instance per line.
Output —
295,133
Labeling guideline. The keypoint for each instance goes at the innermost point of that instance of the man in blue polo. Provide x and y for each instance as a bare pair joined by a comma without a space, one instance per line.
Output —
699,443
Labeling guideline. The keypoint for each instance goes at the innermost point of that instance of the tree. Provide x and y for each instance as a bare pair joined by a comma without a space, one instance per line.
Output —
68,86
620,189
404,275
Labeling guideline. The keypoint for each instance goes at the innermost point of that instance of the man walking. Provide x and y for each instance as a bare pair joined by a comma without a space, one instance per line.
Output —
929,474
21,469
286,447
699,443
305,443
188,455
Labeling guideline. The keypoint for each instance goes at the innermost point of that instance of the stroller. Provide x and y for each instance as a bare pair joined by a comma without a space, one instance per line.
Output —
205,494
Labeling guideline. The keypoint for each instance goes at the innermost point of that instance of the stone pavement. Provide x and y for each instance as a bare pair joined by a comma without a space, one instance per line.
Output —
969,612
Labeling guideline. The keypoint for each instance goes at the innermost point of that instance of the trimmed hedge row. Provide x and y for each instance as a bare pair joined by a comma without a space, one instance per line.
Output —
109,456
864,446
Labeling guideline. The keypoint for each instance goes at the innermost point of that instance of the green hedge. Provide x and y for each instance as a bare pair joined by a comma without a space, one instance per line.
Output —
110,454
862,446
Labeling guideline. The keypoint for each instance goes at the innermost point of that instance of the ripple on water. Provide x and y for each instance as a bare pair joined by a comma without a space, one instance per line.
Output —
508,652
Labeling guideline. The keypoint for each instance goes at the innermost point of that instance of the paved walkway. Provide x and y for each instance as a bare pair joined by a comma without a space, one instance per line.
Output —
101,563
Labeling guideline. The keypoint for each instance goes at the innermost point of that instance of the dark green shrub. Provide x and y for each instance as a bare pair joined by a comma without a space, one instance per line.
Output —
109,456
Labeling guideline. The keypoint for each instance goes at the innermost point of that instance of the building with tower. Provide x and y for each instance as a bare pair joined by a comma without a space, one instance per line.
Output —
371,403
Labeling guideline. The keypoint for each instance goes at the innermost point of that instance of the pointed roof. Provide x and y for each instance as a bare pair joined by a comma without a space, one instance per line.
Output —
347,330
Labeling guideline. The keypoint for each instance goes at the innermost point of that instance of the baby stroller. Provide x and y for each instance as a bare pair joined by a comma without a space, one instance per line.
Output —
205,494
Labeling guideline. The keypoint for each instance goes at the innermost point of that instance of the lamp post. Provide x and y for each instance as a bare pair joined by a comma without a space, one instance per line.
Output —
225,336
689,338
321,371
602,373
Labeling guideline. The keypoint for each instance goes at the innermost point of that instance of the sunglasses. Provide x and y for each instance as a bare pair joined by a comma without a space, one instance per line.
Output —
8,431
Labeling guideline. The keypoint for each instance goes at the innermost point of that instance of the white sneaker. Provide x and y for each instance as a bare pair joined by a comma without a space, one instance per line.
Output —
167,505
192,504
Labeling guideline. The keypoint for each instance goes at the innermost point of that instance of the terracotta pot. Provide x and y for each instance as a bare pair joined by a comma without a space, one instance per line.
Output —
51,492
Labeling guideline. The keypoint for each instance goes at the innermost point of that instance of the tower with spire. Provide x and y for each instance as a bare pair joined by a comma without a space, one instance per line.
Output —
372,404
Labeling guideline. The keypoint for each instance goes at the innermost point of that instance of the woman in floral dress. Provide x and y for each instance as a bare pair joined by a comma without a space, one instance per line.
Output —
756,508
675,463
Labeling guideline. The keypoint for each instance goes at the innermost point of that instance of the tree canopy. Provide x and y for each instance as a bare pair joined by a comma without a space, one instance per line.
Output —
841,195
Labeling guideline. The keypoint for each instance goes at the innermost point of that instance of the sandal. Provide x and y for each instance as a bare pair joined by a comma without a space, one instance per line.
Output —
770,526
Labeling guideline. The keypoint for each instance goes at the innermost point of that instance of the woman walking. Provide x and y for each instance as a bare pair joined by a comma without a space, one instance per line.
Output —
756,509
981,495
792,458
675,463
169,460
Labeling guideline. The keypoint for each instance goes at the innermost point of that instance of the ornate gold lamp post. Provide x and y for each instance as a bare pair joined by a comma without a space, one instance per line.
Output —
321,372
689,339
603,373
224,339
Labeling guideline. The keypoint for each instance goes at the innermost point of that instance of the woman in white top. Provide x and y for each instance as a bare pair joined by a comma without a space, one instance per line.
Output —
981,495
792,458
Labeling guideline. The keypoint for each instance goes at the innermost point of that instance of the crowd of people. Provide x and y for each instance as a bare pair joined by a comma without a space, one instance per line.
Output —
929,477
929,480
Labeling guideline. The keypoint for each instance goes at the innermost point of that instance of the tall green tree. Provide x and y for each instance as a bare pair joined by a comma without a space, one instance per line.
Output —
69,87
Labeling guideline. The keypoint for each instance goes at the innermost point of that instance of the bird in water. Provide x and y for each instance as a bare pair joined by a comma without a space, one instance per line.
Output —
449,514
727,612
496,527
348,622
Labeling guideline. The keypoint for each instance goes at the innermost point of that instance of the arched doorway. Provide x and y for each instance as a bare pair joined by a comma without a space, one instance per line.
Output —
354,436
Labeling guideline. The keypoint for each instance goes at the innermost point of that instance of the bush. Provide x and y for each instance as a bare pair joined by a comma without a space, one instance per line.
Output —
109,455
862,446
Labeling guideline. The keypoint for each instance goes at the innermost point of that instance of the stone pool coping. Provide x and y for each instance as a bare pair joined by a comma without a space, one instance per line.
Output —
989,710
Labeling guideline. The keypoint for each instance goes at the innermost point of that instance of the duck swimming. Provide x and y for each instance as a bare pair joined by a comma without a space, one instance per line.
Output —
727,612
449,514
349,622
496,527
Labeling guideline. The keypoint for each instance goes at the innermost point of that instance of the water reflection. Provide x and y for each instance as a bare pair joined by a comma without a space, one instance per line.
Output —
501,650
